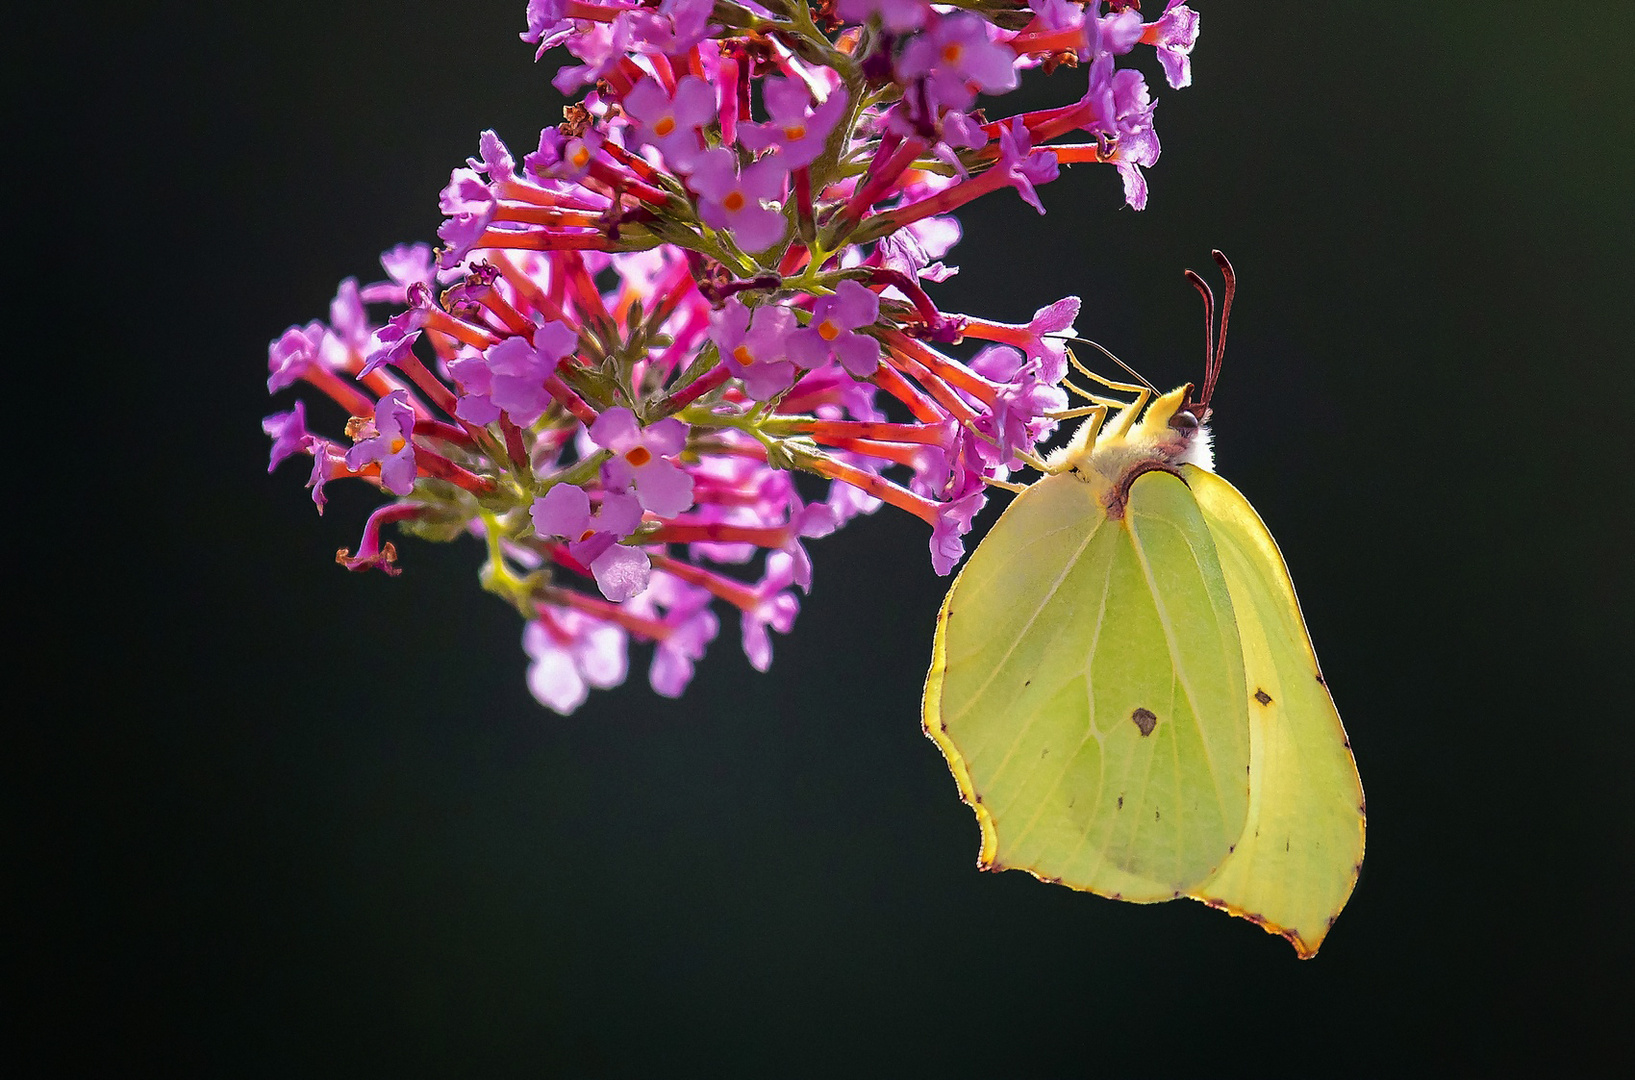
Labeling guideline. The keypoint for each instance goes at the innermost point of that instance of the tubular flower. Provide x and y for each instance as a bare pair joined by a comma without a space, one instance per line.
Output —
711,276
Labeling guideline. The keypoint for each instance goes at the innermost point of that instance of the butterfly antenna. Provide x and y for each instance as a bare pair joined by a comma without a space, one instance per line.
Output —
1214,346
1231,277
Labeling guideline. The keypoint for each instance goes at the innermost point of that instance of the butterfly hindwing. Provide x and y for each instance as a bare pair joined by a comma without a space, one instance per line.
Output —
1303,845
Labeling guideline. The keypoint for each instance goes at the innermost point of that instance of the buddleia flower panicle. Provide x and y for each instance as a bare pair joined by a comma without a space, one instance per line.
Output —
708,280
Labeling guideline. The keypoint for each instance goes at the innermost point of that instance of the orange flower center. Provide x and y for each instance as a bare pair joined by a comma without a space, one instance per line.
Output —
827,330
951,51
579,156
665,125
586,535
397,445
638,456
734,202
743,355
795,131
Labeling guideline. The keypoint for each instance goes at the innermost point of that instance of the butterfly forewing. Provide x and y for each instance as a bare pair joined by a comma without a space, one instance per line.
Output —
1087,689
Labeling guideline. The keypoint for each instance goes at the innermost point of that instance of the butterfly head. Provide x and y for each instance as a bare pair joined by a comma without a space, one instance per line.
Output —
1175,429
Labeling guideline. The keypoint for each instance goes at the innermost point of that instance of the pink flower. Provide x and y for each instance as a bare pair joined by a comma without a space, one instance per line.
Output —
691,627
1174,34
570,652
832,333
1023,165
672,122
562,158
798,136
386,439
593,539
775,607
510,376
895,15
953,522
956,58
289,433
640,459
756,351
744,203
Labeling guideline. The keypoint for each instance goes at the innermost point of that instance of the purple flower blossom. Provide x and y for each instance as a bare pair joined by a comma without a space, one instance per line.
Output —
548,24
1018,418
292,353
736,202
1123,111
493,158
510,376
322,455
690,627
469,206
601,46
677,26
954,521
755,348
798,136
1116,33
775,607
1174,35
1058,14
597,301
672,122
640,459
562,158
593,539
406,265
910,250
347,317
1041,339
956,59
570,652
289,433
392,342
387,439
832,333
897,16
818,519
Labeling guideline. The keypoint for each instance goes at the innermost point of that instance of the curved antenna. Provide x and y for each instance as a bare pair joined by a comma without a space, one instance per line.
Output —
1099,347
1214,346
1231,277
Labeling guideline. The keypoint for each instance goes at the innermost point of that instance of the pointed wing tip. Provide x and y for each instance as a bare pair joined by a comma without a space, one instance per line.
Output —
1305,945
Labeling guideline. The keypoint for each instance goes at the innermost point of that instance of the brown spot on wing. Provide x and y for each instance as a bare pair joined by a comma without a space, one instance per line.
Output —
1321,681
1144,719
1262,696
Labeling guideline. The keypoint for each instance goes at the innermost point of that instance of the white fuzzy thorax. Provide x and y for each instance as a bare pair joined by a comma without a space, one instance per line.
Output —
1200,450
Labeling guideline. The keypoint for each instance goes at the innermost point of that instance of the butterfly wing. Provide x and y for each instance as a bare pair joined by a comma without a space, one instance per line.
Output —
1087,690
1303,845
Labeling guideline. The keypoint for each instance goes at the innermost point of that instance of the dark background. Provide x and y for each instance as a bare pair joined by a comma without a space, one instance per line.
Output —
270,818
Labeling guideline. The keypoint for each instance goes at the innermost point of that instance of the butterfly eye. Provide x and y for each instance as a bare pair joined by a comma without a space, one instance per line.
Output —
1184,421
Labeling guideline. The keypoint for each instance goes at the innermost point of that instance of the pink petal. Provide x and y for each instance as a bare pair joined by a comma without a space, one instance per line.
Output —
562,511
616,430
664,487
621,572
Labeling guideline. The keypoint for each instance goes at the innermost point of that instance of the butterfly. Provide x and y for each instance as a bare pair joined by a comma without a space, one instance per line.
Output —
1124,688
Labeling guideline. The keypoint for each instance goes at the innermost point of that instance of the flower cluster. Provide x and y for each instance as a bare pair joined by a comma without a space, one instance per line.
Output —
703,285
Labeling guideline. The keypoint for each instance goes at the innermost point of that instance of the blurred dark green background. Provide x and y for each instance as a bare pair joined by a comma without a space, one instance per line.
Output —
269,818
